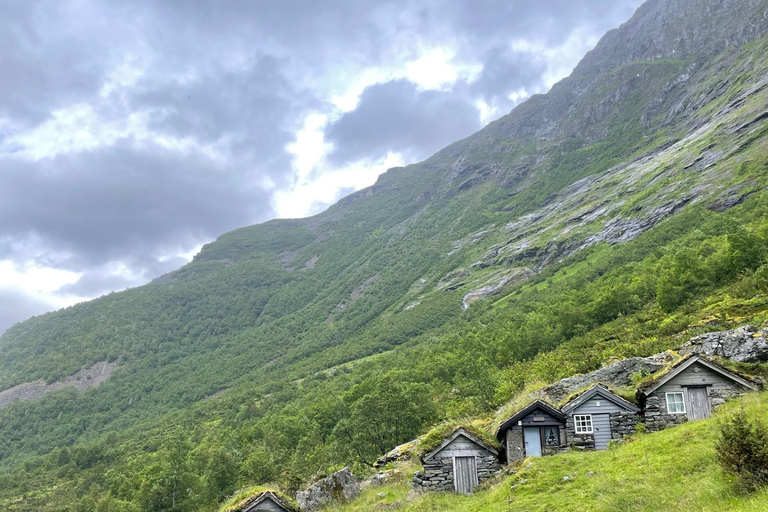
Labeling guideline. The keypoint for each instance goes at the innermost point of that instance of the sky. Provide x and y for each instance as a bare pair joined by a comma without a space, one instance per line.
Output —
133,132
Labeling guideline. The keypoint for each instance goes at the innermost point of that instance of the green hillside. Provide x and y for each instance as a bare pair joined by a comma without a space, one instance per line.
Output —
600,220
675,469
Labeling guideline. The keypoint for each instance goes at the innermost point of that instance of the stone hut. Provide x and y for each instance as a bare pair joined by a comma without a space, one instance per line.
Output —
689,391
597,416
537,429
459,464
265,501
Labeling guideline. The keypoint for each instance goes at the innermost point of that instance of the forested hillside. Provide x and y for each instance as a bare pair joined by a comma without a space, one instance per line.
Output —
600,220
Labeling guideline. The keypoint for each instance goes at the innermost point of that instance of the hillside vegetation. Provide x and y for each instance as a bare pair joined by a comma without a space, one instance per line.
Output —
675,469
597,221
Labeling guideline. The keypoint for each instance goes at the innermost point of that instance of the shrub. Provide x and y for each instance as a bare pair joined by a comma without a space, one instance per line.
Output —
742,450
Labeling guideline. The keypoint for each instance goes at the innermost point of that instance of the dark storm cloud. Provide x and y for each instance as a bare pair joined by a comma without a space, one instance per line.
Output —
17,306
396,116
121,202
505,71
49,58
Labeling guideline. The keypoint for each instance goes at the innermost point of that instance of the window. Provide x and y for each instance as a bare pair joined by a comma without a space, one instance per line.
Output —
551,436
583,423
675,403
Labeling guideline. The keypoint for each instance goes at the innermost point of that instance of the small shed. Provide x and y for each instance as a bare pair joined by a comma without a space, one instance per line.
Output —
459,464
597,416
689,391
268,501
535,430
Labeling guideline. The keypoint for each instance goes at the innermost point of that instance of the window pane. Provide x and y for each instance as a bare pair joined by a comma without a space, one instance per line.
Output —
551,436
675,403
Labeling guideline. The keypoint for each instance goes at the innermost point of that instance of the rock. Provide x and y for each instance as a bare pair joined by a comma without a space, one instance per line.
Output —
746,345
617,374
399,453
568,478
340,487
381,495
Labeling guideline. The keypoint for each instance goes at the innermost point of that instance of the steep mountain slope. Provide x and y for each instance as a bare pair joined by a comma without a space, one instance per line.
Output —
554,211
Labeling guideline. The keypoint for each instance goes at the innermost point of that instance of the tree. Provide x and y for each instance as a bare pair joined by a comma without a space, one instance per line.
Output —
742,449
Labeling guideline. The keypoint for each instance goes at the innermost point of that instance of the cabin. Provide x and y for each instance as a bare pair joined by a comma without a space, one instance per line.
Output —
598,416
264,501
537,429
461,463
689,391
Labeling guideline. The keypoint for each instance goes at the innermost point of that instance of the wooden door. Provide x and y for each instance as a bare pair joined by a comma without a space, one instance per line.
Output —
698,402
464,474
601,427
532,438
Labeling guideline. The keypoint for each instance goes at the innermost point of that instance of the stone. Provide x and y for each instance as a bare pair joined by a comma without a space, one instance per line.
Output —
340,487
746,344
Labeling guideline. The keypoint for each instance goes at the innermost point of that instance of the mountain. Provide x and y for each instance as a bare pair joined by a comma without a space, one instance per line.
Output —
595,221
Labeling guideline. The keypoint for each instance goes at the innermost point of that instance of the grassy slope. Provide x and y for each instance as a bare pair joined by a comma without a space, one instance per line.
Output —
674,469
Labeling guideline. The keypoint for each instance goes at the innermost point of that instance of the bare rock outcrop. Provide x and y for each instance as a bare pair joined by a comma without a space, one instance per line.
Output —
340,487
746,344
618,374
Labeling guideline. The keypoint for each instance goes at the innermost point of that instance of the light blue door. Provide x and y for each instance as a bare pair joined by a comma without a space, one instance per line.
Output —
601,423
532,438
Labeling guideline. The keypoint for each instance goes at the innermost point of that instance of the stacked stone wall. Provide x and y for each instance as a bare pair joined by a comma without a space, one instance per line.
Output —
437,474
623,424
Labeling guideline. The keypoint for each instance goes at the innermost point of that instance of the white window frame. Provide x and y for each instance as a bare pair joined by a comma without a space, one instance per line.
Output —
682,400
586,419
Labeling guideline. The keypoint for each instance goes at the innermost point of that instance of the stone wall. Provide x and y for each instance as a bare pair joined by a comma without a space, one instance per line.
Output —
515,445
438,473
623,424
656,415
580,441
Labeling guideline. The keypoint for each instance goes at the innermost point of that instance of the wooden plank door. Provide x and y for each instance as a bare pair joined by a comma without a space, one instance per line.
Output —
464,474
532,437
698,404
601,427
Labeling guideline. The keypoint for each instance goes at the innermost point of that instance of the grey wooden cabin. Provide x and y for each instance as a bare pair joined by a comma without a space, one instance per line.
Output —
459,464
537,429
264,501
597,416
689,391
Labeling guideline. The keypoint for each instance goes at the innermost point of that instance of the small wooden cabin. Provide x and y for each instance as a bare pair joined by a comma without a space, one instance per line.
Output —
267,501
459,464
537,429
597,416
689,391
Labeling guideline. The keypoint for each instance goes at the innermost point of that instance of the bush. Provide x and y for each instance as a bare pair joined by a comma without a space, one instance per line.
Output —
742,450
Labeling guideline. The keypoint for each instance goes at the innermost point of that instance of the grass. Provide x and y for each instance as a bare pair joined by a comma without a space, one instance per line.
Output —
671,470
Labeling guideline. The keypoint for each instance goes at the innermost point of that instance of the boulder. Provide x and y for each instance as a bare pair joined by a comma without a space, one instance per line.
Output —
746,344
340,487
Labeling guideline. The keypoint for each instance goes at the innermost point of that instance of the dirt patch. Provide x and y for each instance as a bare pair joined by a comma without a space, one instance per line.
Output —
82,380
311,263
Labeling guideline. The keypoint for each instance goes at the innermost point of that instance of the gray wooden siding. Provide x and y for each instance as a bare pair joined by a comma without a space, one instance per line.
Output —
697,375
267,505
538,418
461,447
601,426
591,407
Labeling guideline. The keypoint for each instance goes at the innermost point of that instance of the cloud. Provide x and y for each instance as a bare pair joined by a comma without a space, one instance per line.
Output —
17,306
131,132
120,202
396,116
